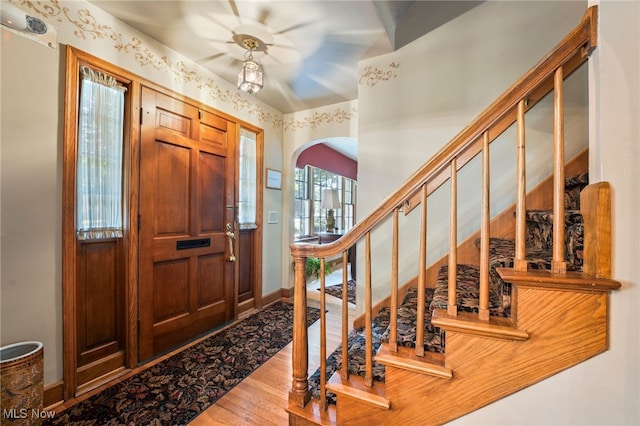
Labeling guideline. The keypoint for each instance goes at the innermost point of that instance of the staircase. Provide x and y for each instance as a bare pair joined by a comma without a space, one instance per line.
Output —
532,306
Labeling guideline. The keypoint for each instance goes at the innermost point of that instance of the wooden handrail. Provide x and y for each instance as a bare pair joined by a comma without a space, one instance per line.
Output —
510,107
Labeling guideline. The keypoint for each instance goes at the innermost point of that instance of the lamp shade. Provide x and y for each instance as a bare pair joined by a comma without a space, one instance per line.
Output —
250,76
330,199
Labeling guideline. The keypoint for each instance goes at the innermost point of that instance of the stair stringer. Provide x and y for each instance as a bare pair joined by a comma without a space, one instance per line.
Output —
565,328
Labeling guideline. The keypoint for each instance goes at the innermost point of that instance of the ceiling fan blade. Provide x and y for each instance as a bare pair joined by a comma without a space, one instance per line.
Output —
234,9
212,57
264,16
217,22
235,62
294,27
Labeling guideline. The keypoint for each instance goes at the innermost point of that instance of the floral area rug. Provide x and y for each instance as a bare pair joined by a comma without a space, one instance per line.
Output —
179,388
336,291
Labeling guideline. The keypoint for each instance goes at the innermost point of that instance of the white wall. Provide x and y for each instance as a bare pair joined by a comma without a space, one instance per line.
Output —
604,390
31,192
428,91
32,78
303,129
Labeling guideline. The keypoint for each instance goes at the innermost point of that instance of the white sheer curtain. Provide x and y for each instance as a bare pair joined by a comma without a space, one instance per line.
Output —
99,157
247,181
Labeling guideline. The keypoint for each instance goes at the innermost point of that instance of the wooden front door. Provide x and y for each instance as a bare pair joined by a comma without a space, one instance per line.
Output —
187,169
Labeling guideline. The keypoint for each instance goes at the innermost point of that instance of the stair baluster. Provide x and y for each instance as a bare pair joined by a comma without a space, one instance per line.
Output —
345,317
393,320
558,263
422,272
452,308
368,378
483,303
519,262
323,334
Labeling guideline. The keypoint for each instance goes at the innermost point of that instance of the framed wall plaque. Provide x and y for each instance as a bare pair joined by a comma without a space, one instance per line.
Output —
274,179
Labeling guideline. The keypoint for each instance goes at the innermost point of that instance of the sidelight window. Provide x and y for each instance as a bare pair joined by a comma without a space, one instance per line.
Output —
247,181
99,157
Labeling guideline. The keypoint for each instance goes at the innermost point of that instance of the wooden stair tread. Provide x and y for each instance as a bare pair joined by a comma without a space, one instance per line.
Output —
355,387
431,364
466,322
574,281
313,413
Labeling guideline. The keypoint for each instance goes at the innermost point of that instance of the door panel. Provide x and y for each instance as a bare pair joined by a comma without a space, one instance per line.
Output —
187,170
246,267
210,267
211,189
170,296
172,176
100,301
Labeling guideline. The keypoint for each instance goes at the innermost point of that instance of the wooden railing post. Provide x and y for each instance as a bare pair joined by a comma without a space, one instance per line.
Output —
300,393
595,207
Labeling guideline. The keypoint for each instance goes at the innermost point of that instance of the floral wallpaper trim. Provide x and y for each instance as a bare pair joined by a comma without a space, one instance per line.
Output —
87,27
339,115
372,76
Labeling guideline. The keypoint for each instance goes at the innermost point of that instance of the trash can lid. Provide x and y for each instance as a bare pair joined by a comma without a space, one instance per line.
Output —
18,350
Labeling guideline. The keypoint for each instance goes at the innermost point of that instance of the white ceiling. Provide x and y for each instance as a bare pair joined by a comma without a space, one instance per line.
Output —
312,47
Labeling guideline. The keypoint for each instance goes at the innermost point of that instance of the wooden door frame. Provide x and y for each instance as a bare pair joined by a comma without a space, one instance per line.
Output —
74,59
257,242
131,185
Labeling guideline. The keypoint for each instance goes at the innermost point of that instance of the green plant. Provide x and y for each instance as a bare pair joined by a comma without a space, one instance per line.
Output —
312,267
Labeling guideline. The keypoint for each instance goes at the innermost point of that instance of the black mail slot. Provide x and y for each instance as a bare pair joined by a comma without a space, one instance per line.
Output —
191,244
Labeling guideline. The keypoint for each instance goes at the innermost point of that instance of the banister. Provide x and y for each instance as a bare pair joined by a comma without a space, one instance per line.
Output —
575,44
567,56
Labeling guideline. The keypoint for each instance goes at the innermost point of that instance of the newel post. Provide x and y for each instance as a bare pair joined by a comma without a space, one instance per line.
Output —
300,393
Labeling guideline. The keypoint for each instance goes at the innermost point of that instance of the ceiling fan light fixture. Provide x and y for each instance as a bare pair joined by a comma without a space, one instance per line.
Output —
250,77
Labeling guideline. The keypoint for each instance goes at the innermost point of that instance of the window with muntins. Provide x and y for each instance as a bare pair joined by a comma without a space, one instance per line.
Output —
309,217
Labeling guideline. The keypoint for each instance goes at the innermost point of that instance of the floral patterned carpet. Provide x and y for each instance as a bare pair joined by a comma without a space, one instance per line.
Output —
179,388
336,291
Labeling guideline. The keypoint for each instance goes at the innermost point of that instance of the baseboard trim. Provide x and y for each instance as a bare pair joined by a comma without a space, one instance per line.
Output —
286,293
53,394
283,293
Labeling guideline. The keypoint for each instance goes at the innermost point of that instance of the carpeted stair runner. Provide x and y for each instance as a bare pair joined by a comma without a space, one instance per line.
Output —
539,246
